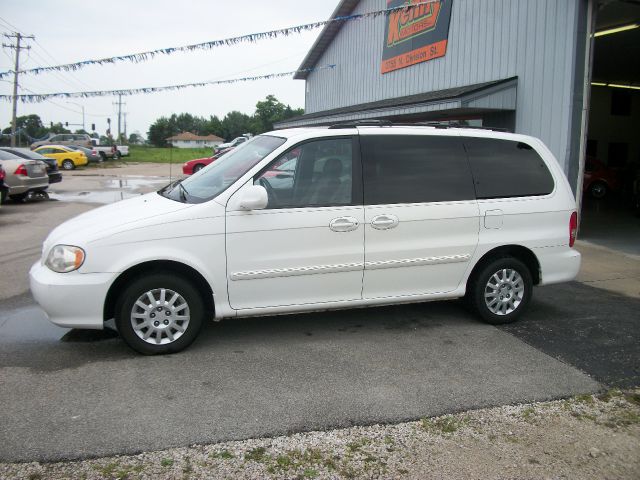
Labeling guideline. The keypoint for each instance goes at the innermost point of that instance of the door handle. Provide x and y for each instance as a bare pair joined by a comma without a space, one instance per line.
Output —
384,222
343,224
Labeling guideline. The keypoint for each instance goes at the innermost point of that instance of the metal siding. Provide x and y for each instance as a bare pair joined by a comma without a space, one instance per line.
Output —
488,40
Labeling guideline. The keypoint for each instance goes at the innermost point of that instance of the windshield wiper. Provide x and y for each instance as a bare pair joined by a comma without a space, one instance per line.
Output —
183,192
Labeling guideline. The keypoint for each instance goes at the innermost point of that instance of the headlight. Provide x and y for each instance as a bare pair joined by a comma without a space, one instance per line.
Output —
65,258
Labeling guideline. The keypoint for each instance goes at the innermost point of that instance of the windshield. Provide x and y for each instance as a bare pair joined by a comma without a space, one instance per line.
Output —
211,181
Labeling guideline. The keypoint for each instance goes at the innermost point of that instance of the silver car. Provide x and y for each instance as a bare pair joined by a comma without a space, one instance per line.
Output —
81,139
23,176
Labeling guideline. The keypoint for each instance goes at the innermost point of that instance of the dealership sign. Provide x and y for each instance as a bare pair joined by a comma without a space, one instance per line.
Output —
415,34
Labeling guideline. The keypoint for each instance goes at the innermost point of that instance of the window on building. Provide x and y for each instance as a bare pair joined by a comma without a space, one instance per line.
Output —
313,174
414,169
503,168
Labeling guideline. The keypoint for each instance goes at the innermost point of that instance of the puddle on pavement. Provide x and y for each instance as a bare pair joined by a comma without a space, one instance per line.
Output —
111,190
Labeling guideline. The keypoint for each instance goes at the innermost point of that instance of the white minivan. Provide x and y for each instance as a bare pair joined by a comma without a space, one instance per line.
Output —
316,219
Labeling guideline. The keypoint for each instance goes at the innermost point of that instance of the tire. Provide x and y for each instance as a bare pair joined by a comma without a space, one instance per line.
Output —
103,156
513,290
116,155
598,190
68,165
128,313
3,196
21,197
198,167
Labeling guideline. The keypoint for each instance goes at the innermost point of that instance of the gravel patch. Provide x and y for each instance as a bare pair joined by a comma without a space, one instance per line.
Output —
583,437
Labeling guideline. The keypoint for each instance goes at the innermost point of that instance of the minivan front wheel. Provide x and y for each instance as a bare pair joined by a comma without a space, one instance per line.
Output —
501,290
159,314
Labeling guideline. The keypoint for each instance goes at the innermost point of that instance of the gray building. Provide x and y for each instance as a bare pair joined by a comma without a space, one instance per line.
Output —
523,65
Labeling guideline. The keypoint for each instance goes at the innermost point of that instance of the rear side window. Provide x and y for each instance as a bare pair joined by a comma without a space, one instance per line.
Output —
504,168
414,169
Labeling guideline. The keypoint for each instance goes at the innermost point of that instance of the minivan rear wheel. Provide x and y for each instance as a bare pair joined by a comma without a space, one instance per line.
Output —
501,290
159,314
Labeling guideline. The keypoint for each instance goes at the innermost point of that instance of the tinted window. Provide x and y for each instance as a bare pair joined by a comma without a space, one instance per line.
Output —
414,169
503,168
313,174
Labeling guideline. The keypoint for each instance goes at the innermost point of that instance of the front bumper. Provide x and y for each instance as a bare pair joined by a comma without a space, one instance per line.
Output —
72,300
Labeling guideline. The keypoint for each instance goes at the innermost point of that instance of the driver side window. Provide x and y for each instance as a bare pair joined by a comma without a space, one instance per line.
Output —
313,174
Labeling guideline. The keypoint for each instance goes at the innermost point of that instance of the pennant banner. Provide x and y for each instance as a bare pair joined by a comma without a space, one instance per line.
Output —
250,38
40,97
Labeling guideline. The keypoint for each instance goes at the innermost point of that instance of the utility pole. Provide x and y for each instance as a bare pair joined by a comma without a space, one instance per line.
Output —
18,37
119,104
125,126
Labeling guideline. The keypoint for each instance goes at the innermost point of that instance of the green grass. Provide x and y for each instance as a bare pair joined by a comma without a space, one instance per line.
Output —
139,153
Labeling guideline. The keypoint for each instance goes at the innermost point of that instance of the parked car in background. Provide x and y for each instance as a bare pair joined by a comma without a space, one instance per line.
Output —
91,153
23,176
599,180
81,139
112,151
193,166
4,188
233,143
52,165
67,159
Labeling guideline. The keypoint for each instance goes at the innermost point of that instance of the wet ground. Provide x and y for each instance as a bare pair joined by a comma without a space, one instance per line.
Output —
103,190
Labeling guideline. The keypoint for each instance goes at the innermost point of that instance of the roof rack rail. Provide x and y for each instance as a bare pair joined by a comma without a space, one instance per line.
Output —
362,123
449,125
388,123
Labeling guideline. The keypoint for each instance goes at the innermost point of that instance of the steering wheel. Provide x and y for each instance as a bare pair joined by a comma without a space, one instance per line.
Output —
271,193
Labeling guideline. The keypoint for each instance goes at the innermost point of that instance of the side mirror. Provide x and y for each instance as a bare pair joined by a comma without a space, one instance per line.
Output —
254,198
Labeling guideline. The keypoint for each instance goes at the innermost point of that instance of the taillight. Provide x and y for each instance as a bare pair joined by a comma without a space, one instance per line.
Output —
573,228
2,174
21,170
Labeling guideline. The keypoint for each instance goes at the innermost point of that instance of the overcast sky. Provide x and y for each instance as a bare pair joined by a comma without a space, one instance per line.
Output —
74,30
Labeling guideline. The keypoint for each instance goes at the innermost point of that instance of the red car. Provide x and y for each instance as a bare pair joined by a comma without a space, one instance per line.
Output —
193,166
599,179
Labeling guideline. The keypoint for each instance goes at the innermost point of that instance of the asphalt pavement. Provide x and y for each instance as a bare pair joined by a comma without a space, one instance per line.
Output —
68,394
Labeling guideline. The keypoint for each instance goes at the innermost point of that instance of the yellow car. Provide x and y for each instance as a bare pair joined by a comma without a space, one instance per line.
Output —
67,159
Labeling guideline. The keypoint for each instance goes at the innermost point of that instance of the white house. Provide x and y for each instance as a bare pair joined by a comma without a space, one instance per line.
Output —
191,140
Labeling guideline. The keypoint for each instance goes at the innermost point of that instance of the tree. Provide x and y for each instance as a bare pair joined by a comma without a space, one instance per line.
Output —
31,125
236,123
268,112
135,139
58,128
160,130
214,126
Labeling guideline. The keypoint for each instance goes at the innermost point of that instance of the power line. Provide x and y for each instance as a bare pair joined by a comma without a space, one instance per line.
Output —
78,82
18,36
